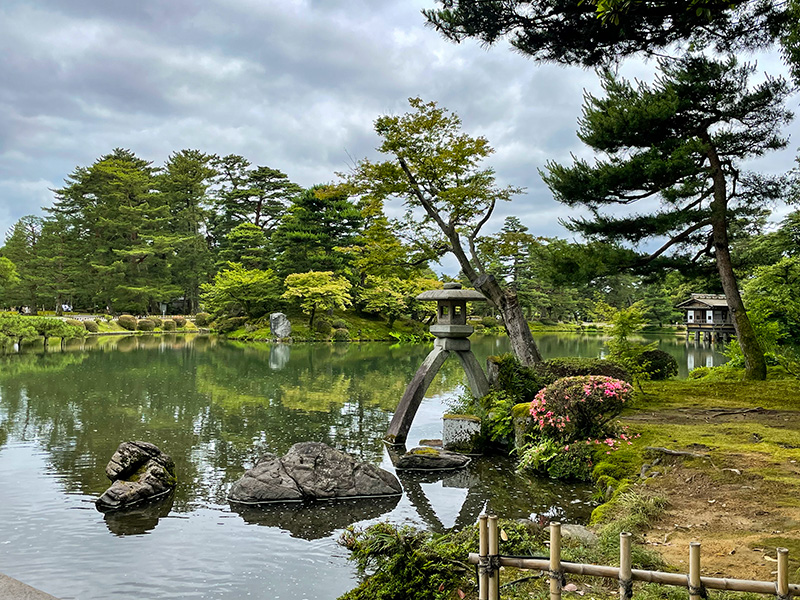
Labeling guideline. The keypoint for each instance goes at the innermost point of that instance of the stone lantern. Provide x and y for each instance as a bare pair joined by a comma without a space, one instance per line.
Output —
452,333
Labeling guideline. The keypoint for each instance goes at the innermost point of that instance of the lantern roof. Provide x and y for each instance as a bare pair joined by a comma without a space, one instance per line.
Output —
452,291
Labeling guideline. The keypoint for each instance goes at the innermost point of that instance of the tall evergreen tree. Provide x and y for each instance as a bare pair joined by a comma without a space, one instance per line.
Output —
678,141
319,220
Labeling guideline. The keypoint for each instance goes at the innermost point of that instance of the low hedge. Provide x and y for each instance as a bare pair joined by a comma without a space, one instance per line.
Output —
145,325
168,325
202,319
128,322
91,326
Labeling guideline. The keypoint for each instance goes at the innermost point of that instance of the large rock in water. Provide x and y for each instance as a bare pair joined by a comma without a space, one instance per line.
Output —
140,471
279,325
312,471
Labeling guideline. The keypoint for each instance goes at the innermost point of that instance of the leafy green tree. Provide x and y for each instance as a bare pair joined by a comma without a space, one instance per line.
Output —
246,244
8,276
772,294
257,195
570,32
318,290
22,249
679,141
237,290
318,222
435,169
184,183
122,226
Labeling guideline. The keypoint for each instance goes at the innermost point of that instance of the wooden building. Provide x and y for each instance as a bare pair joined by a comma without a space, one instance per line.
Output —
707,315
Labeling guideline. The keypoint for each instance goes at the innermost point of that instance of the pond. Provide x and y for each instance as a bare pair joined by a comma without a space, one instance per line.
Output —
216,406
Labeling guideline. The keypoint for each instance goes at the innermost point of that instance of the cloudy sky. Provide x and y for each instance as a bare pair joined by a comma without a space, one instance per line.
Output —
290,84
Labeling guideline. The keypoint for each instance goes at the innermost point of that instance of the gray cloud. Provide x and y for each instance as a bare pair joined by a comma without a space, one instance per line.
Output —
293,84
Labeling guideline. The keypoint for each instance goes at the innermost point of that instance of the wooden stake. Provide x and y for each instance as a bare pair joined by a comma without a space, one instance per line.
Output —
625,581
783,573
694,571
494,553
483,551
555,561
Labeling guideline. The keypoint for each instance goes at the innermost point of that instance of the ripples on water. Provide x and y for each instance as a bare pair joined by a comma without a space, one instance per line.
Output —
215,408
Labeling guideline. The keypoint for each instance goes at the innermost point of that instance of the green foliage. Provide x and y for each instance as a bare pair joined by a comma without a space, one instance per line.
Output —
202,319
318,290
323,327
238,290
91,326
556,368
573,463
157,321
145,325
519,382
490,322
339,324
168,325
180,322
74,323
772,299
658,365
229,324
409,564
127,322
341,335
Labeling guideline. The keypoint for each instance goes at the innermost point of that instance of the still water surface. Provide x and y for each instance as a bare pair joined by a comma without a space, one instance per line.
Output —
214,407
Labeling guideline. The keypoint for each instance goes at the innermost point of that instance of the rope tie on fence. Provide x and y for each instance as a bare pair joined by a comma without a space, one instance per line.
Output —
627,585
779,596
489,564
559,576
696,591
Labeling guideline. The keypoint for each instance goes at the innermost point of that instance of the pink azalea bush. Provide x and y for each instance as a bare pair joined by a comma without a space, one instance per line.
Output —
579,408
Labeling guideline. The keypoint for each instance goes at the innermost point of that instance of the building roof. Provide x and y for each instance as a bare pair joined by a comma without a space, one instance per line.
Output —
707,300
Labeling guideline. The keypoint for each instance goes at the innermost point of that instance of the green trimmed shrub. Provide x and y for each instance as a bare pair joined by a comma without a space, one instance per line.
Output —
107,318
556,368
323,327
202,319
145,325
74,323
230,324
91,326
127,322
179,321
658,364
490,322
341,335
340,324
168,325
100,320
156,321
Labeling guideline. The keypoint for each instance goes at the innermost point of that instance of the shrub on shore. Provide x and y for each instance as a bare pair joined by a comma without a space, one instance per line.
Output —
128,322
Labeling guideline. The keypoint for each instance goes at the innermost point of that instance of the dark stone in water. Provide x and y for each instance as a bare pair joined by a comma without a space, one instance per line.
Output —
312,471
431,459
140,472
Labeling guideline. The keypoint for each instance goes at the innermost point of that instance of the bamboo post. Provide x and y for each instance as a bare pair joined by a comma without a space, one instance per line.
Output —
483,551
782,585
494,559
695,589
555,561
625,581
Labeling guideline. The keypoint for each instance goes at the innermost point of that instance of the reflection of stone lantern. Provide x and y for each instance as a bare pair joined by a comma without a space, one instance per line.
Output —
451,331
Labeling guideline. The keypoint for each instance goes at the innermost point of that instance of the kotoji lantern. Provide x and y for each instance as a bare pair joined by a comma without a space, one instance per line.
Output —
452,333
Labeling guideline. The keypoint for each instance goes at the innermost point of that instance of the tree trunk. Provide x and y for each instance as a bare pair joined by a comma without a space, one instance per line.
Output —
754,363
519,334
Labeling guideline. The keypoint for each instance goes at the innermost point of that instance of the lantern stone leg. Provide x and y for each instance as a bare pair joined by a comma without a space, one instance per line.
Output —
478,384
415,392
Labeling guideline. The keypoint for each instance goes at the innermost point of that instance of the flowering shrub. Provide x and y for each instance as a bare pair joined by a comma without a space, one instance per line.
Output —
579,408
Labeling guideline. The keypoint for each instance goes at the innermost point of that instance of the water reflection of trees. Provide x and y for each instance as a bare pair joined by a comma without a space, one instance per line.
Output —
213,412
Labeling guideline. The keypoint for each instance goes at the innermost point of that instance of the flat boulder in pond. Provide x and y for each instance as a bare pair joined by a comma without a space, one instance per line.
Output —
140,472
312,471
431,459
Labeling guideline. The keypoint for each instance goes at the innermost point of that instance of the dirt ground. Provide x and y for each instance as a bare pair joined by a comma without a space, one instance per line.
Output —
739,505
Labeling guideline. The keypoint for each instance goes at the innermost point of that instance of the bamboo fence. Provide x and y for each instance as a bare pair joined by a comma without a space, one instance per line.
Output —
489,561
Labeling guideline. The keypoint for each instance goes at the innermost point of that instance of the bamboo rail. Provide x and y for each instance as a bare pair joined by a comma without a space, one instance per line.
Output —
489,562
